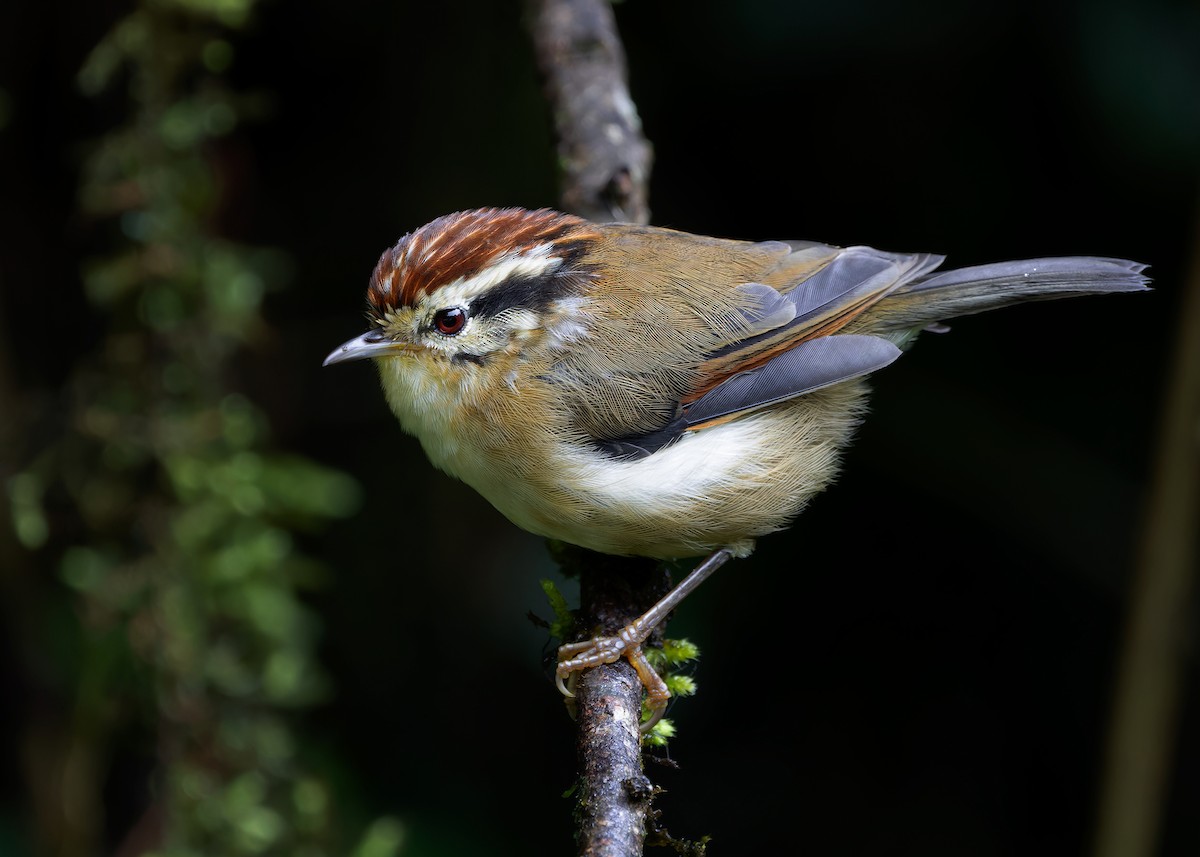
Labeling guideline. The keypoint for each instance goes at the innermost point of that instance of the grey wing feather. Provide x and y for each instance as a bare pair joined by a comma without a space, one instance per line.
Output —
853,274
809,366
856,271
766,309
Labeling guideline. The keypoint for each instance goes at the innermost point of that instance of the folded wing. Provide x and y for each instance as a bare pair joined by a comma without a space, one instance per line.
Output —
792,345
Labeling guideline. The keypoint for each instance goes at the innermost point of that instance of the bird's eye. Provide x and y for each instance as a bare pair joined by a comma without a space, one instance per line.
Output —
451,321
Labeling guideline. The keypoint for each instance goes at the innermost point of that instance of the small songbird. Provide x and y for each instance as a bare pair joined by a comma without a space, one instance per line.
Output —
642,391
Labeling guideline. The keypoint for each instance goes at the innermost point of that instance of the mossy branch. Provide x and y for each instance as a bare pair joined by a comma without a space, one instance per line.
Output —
605,163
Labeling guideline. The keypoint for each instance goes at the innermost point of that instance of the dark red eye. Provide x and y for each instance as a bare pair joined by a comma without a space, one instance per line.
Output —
450,321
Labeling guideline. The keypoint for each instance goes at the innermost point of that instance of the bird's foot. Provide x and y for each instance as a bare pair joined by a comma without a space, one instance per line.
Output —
627,644
576,657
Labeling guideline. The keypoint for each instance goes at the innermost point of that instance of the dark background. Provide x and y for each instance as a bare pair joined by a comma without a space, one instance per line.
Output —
923,664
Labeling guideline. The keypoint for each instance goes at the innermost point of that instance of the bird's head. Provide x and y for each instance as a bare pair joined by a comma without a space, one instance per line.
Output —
474,288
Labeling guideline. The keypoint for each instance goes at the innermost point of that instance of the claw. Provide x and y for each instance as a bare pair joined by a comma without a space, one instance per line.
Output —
656,715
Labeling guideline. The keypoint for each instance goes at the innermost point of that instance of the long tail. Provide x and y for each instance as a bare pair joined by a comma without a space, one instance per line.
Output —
966,291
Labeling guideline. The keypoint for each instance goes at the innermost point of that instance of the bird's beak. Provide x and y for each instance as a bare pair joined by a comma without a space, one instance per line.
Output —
371,344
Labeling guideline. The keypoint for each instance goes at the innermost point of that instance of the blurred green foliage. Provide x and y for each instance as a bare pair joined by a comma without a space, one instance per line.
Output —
186,572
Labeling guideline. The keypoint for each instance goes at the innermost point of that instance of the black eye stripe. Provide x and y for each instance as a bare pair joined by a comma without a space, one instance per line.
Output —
532,293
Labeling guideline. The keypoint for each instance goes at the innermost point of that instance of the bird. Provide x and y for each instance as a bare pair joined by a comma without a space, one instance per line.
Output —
643,391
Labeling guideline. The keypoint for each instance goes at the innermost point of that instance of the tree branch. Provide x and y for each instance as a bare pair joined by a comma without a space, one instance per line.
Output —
606,164
604,157
614,792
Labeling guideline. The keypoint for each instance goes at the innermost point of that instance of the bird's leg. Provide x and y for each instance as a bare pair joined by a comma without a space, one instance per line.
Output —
627,643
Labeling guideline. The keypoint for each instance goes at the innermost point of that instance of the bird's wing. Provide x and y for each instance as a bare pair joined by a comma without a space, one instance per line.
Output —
809,366
824,301
782,342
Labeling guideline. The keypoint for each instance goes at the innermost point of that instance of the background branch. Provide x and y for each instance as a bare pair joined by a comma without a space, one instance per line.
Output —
604,157
1152,669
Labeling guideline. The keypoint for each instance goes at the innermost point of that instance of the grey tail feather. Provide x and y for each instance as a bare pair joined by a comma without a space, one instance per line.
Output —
966,291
